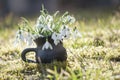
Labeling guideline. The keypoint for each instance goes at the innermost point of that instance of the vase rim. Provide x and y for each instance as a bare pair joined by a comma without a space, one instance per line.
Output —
49,37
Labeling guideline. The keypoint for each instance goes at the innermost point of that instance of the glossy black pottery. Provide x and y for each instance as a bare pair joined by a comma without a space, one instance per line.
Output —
45,56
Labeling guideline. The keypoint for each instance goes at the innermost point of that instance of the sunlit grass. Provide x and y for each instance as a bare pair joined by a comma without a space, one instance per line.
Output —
95,56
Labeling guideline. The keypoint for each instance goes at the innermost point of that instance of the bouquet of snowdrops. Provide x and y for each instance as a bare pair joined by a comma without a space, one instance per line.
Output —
57,27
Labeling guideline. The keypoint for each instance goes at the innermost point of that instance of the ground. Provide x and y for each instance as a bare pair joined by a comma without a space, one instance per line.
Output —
94,56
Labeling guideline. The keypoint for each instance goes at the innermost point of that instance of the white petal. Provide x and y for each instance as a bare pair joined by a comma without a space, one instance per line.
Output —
60,37
28,39
46,28
78,34
47,45
54,36
69,19
39,26
49,18
56,42
65,32
41,18
16,42
21,37
50,28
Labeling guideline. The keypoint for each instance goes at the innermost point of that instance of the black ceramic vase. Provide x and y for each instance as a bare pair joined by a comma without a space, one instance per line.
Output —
58,52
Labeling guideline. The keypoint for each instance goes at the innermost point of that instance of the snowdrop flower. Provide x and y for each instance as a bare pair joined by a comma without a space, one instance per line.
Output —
20,35
15,43
56,42
65,32
56,37
29,39
47,28
41,19
72,19
49,18
47,45
76,34
39,26
69,19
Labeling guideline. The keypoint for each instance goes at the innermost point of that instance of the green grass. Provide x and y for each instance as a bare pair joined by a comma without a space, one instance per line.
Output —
95,56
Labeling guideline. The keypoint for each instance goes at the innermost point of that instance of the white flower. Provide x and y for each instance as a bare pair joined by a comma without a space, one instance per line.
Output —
41,19
20,35
47,45
65,32
72,19
29,40
69,19
47,28
76,34
15,43
39,26
56,42
56,37
49,18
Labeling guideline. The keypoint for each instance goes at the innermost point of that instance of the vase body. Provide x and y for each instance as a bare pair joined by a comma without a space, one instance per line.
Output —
46,56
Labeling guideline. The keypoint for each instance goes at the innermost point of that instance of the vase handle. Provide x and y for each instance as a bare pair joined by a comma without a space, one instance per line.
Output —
25,51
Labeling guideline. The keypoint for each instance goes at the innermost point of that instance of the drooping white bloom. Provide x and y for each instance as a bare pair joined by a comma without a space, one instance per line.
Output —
76,34
20,35
39,26
29,39
49,18
69,19
41,19
47,45
65,32
15,43
56,42
72,19
56,37
46,28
